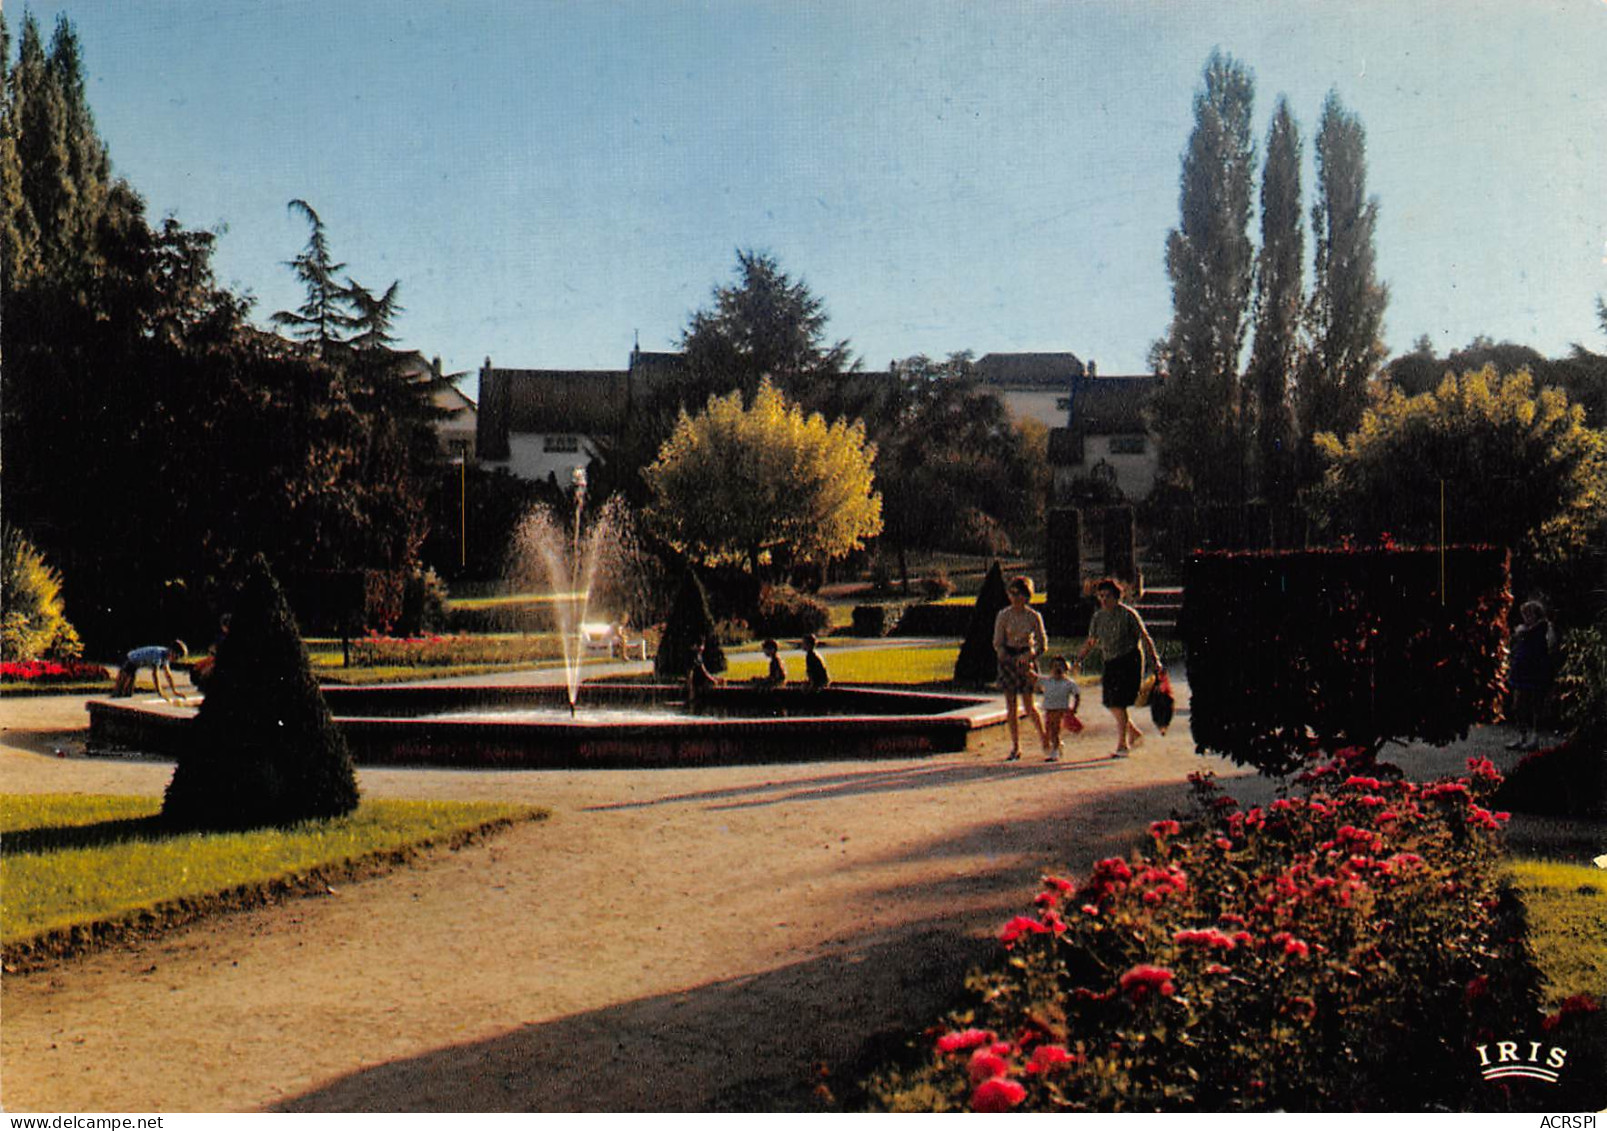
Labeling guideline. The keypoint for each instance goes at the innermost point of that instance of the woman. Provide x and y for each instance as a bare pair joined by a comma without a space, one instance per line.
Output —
1533,644
1119,633
1018,638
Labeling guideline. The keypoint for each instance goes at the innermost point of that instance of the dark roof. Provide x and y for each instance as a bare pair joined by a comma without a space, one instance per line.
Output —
1110,405
588,401
1046,370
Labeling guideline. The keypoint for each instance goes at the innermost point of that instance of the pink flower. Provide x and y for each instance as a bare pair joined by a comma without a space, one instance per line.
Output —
1144,979
964,1039
997,1094
986,1064
1209,937
1045,1058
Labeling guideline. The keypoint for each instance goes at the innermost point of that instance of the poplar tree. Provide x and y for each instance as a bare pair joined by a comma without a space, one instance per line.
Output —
1275,355
1345,316
1210,260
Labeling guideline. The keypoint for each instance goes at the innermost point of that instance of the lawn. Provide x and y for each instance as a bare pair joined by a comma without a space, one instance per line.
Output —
1567,906
71,859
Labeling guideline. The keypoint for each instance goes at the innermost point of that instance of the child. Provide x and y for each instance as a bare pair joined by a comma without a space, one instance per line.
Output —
814,666
698,677
777,675
1061,698
159,660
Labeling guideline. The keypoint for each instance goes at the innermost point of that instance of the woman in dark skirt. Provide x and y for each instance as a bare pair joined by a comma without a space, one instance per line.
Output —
1119,633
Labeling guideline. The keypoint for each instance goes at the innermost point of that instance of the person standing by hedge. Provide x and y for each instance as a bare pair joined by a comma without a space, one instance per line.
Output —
1119,633
1533,643
1018,639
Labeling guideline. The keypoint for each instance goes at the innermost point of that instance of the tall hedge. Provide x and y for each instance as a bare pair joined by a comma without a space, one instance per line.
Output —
1063,563
977,662
1292,653
264,749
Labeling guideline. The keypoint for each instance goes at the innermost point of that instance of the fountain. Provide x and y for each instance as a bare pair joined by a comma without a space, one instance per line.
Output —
574,565
625,725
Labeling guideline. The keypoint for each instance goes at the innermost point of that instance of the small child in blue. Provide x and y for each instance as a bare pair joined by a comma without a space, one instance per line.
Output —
1061,697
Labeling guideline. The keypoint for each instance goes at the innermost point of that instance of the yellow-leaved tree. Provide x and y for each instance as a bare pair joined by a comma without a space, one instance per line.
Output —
738,483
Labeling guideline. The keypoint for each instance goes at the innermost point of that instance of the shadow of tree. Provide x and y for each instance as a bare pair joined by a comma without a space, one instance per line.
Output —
794,1039
57,838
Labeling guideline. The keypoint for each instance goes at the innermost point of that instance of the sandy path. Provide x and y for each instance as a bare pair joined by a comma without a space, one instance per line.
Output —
675,940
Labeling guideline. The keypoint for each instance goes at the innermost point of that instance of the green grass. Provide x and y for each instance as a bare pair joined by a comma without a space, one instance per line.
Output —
72,859
1567,905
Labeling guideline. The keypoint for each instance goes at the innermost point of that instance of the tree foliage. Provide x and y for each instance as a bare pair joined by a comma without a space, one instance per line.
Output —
765,325
154,439
1210,260
951,464
1345,317
1278,347
737,483
34,623
1519,469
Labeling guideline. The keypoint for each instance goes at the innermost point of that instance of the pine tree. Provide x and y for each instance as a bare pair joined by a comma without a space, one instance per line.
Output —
1345,316
1275,355
264,749
1210,261
323,317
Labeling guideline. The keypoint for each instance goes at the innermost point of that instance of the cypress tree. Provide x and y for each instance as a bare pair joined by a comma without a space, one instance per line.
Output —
264,749
977,662
690,623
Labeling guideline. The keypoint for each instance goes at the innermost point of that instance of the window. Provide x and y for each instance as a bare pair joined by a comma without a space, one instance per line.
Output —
1127,445
560,443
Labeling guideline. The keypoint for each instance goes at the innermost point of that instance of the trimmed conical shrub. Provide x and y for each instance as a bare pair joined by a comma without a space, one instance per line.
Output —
689,623
977,662
264,749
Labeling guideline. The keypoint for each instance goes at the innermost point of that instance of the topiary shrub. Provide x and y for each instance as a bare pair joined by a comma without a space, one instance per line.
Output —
1345,950
688,625
264,749
977,662
34,625
937,585
1290,654
783,611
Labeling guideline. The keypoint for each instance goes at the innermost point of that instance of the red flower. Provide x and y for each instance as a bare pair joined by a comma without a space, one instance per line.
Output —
1218,968
1479,987
1302,1008
1144,979
1045,1058
1210,937
964,1039
986,1064
997,1094
1159,829
1064,887
1021,925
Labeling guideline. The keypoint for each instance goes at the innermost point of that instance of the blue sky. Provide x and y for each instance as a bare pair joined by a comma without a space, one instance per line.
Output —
549,180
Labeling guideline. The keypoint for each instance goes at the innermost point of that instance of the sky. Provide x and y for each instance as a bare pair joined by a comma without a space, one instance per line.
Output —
553,181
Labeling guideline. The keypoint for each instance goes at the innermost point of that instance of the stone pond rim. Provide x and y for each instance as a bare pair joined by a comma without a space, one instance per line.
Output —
388,726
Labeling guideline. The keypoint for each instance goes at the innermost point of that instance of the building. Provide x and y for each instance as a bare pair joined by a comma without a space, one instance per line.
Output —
541,423
1106,442
1031,386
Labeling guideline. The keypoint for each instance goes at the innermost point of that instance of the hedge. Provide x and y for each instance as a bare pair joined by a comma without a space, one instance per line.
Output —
1292,653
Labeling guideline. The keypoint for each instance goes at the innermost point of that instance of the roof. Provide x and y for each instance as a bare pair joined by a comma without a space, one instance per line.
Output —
1110,405
1046,370
587,401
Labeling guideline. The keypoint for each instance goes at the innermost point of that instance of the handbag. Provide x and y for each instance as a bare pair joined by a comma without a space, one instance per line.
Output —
1160,700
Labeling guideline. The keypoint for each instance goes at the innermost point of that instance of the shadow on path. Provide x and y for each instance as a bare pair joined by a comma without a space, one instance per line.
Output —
789,1039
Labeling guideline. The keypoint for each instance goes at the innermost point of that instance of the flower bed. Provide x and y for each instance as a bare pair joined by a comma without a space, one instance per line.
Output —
1346,949
43,672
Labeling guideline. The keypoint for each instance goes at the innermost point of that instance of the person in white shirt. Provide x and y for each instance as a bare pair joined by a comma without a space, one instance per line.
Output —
1061,698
